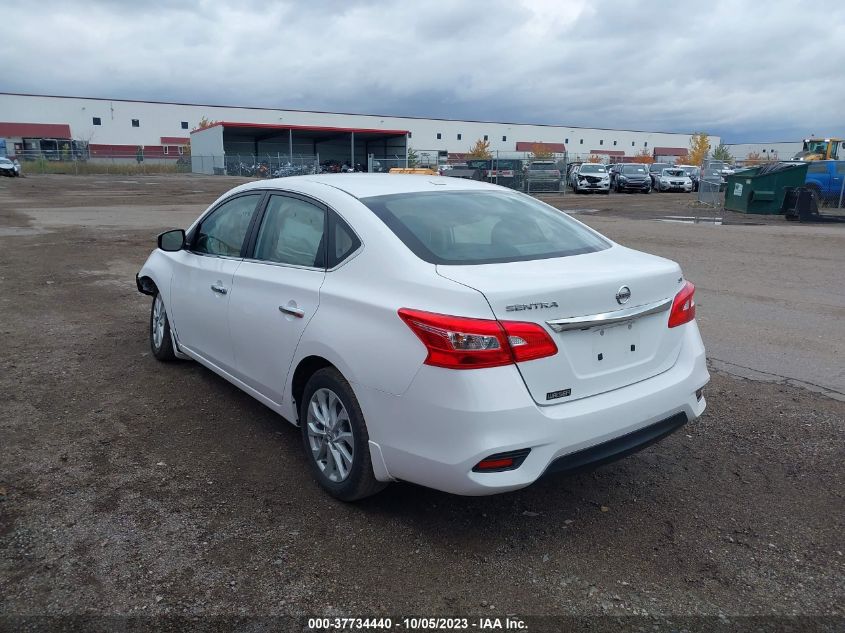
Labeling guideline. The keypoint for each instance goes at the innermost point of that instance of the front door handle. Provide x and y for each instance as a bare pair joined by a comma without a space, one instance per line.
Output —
296,312
218,289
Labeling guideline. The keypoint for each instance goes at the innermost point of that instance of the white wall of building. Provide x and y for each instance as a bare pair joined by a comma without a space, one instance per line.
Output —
207,150
780,151
157,120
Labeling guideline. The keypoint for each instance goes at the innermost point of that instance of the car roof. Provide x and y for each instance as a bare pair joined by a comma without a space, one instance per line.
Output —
368,185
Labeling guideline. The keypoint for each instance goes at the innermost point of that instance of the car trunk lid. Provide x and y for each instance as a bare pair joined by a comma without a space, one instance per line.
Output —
618,342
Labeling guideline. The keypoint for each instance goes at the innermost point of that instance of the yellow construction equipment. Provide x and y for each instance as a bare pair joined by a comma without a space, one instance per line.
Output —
820,149
413,170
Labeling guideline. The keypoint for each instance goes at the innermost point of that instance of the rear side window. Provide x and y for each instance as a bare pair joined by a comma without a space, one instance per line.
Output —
292,232
475,227
223,232
344,242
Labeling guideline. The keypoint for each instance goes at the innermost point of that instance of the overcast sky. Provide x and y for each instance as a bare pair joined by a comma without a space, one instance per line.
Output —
764,70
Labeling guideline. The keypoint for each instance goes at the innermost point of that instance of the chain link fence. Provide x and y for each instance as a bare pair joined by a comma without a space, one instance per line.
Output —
712,183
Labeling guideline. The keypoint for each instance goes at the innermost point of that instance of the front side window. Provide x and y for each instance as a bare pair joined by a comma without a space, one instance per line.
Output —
292,233
223,232
475,227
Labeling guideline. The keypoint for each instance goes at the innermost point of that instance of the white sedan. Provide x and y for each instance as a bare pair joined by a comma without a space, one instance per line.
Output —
674,179
441,331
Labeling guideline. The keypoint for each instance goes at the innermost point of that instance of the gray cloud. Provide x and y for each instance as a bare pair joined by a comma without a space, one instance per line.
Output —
745,70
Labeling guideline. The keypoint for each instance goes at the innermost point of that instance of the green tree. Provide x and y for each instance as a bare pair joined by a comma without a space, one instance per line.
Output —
722,153
413,157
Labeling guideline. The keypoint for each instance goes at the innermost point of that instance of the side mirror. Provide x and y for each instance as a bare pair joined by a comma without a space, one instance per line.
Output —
172,241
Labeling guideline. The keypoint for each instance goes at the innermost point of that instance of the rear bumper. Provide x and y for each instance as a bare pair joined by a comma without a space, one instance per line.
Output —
616,448
448,421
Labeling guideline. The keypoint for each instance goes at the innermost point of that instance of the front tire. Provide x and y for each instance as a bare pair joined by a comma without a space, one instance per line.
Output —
335,437
160,342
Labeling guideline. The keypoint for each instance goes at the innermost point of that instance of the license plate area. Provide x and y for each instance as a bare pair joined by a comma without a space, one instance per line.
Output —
615,346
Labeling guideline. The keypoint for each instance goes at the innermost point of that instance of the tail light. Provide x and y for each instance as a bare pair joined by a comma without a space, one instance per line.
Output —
502,461
683,307
463,343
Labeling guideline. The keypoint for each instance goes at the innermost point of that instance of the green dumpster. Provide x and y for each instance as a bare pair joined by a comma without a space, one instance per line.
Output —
762,189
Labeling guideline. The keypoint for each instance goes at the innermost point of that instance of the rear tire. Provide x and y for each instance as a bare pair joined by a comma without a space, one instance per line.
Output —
160,342
335,437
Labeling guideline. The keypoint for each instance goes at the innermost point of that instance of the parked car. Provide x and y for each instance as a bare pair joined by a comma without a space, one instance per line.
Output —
694,174
674,179
824,178
463,170
654,170
717,170
9,167
507,172
542,175
446,332
591,177
632,177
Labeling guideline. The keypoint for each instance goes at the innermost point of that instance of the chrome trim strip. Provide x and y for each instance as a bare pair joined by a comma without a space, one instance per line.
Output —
609,318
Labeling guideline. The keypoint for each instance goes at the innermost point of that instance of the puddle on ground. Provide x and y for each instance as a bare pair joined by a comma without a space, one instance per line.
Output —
18,231
690,219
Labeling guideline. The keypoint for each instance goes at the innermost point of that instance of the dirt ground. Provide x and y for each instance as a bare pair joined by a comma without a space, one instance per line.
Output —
132,487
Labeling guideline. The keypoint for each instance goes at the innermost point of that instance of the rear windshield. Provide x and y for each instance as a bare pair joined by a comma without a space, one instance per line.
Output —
481,227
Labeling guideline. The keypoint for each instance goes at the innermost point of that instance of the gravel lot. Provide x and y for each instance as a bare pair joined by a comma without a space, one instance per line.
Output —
133,487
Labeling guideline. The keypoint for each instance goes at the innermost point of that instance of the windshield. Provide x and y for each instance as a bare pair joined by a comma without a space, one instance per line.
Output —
541,166
633,169
5,161
658,166
815,147
481,227
593,169
674,172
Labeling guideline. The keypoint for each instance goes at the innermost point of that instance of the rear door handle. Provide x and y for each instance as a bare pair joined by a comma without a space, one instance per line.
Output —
218,289
296,312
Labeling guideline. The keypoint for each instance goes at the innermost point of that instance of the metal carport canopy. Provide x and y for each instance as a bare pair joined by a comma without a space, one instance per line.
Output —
264,131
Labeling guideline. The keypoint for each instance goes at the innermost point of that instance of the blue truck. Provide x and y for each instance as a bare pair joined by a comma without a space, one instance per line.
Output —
824,177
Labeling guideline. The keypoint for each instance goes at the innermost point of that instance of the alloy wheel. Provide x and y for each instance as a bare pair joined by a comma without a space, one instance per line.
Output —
158,322
330,435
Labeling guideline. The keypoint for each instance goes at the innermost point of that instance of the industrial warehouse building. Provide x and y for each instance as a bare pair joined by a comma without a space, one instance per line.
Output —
60,126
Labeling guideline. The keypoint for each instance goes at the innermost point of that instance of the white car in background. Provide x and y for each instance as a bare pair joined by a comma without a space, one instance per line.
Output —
674,179
590,177
446,332
9,167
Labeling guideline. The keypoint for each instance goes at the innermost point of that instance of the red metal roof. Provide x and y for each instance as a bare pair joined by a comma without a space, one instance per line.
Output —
306,128
670,151
35,130
174,140
528,146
